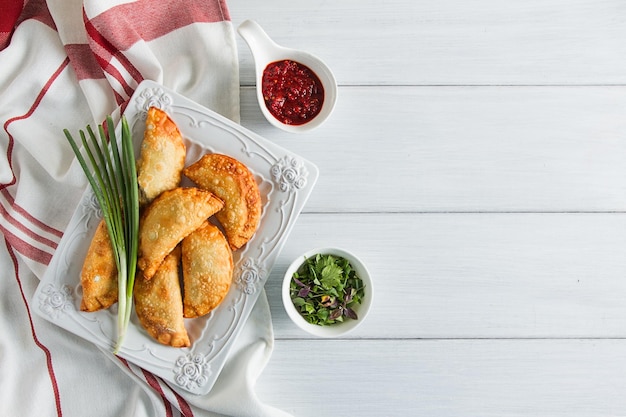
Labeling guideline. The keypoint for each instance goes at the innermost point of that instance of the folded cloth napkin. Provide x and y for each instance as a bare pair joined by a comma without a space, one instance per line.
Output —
66,64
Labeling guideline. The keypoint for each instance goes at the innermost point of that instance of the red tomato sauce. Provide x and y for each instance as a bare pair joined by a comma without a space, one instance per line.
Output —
292,92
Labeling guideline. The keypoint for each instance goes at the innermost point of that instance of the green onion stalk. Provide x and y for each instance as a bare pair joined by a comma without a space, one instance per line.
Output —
112,174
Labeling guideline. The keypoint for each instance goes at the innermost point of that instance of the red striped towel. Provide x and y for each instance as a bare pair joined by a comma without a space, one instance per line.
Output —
10,11
66,64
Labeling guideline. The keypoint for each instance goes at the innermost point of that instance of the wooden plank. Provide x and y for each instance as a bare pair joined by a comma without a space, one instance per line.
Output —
419,42
475,275
487,198
464,149
499,378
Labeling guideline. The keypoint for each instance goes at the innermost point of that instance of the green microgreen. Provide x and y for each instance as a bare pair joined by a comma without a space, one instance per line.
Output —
325,290
112,174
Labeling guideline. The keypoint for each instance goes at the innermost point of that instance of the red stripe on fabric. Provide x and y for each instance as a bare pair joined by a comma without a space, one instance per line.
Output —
37,10
109,68
147,20
119,99
14,12
123,106
9,12
184,406
46,351
30,111
83,61
124,361
9,158
25,248
25,229
154,383
224,9
5,37
28,216
106,43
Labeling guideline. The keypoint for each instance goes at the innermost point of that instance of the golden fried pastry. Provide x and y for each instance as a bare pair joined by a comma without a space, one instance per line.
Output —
159,303
99,274
207,270
168,219
231,181
162,156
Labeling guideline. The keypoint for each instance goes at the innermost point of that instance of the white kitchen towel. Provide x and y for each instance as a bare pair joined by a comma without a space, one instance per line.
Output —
66,64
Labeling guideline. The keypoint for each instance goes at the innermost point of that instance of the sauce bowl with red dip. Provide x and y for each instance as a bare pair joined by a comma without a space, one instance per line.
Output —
296,91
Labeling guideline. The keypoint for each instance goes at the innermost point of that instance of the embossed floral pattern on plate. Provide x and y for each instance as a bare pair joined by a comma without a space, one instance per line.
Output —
285,180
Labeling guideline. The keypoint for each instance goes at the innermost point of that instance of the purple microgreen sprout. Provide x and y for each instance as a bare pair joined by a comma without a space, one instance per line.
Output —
325,290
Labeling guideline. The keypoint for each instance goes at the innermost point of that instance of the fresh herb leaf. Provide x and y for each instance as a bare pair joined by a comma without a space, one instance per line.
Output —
325,289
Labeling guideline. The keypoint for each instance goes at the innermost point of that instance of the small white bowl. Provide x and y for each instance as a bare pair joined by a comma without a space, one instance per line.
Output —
265,51
336,329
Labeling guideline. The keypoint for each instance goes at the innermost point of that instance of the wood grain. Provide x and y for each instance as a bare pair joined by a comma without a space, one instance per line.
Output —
475,162
444,378
449,42
525,275
465,149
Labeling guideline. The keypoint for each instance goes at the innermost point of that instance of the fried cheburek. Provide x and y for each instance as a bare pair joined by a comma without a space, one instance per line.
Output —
162,156
232,182
159,168
175,233
168,220
159,304
207,270
98,276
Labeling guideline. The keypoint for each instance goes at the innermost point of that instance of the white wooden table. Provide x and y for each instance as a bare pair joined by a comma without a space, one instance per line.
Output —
476,161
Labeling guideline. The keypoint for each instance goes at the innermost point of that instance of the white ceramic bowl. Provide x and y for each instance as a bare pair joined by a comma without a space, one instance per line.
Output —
336,329
265,51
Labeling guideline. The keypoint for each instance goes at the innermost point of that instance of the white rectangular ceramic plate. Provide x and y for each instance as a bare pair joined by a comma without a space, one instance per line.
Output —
285,181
